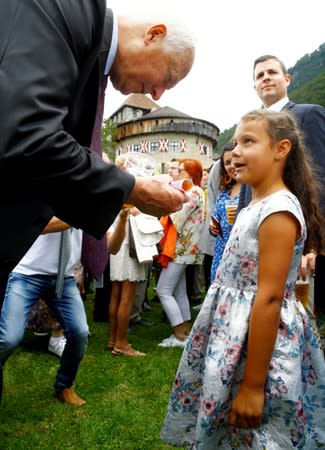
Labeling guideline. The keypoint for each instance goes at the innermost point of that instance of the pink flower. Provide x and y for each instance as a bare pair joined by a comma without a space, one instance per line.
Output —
208,407
223,310
198,340
234,352
248,264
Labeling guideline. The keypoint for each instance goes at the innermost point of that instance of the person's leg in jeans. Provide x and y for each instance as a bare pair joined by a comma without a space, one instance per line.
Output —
21,294
23,291
70,312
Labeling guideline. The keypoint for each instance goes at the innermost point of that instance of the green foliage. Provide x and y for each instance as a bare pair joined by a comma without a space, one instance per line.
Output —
109,131
126,397
312,92
224,138
306,69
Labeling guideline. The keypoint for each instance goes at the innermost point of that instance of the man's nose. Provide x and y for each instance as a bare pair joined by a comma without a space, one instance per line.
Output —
266,76
156,92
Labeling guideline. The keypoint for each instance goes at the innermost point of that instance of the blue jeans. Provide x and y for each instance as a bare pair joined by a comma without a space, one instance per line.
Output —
22,292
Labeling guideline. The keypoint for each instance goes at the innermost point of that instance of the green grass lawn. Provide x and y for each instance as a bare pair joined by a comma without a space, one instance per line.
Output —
126,397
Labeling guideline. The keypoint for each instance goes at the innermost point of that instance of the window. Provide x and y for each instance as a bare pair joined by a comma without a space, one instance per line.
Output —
174,146
154,146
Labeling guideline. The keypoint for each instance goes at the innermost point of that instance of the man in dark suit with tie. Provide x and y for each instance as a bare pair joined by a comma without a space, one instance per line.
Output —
271,82
49,87
48,90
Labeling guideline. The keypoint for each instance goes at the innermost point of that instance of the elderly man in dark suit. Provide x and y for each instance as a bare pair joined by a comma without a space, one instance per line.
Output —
49,86
271,82
48,91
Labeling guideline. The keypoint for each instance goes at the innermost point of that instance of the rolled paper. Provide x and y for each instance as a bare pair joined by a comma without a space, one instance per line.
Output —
182,185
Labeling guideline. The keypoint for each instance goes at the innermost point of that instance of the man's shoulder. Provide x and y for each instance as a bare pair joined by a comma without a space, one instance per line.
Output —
302,107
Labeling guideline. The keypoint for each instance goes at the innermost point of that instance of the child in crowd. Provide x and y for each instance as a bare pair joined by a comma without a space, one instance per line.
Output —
253,374
223,218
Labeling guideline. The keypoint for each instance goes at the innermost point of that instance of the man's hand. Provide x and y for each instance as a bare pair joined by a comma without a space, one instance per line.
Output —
155,196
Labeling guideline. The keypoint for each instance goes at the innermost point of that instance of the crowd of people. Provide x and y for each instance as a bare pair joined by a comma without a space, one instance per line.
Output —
233,238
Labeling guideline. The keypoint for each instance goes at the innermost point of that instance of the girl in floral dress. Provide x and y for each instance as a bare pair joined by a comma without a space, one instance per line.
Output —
252,375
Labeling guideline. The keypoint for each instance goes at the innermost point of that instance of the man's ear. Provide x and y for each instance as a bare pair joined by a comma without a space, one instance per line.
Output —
288,79
155,32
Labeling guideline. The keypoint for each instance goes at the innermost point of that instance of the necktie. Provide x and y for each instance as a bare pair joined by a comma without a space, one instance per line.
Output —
94,252
64,255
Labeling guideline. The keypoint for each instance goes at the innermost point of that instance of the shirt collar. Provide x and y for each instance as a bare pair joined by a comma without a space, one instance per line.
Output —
278,106
113,47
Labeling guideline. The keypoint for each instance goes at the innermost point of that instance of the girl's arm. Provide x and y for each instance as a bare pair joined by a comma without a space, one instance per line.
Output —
277,236
116,237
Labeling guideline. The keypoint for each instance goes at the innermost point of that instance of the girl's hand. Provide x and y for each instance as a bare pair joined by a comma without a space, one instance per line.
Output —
214,227
247,408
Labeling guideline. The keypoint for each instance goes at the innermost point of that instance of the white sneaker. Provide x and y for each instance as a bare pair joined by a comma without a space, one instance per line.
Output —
56,345
167,339
197,307
172,341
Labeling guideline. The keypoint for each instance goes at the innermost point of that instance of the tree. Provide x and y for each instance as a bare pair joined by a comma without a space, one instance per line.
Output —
109,130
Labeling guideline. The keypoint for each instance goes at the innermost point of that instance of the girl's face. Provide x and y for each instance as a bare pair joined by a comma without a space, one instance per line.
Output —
227,162
254,155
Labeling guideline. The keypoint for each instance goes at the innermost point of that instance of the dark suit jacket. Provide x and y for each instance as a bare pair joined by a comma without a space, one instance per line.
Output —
311,120
48,95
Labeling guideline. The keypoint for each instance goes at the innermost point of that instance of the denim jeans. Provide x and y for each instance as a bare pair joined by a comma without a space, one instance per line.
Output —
22,292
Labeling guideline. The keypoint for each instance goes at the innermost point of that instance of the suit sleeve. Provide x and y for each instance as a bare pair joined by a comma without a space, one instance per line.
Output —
313,125
44,47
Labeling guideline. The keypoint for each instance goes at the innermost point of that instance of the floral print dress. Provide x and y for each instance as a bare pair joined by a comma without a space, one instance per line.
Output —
212,364
189,224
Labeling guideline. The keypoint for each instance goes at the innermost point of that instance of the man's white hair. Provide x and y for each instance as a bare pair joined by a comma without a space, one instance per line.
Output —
179,36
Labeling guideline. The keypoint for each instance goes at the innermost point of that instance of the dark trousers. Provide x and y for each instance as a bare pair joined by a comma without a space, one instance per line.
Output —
319,299
102,297
207,262
193,283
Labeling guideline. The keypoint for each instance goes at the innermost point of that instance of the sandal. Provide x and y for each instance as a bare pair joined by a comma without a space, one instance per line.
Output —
129,351
110,345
